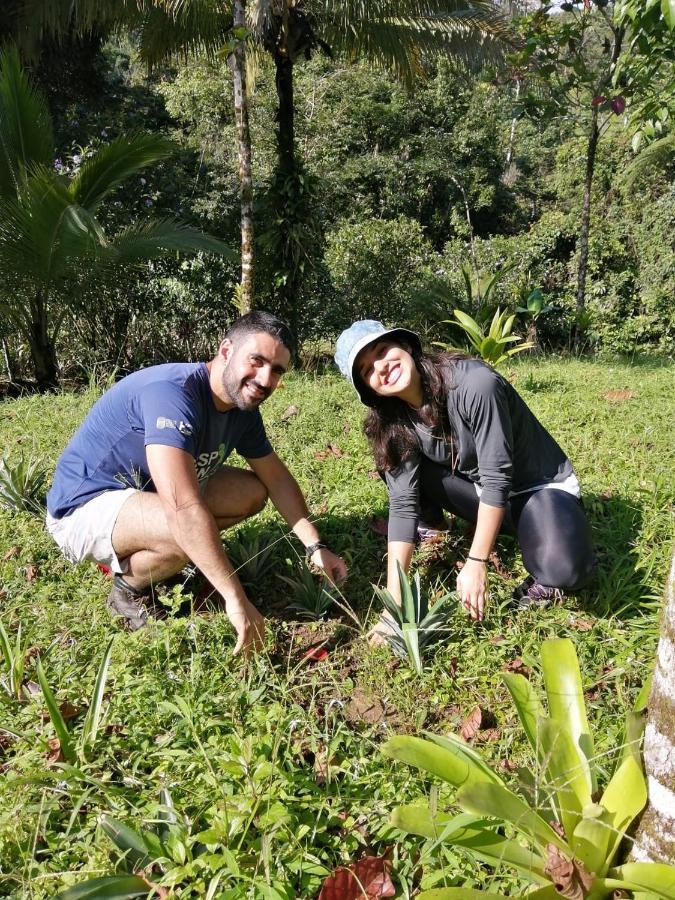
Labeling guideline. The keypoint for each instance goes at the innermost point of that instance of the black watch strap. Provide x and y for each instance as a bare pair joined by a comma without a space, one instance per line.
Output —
312,548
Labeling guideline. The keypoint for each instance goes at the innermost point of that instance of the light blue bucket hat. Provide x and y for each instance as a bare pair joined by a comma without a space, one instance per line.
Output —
355,338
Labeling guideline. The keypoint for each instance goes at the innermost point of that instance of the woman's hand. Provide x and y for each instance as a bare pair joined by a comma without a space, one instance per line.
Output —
472,588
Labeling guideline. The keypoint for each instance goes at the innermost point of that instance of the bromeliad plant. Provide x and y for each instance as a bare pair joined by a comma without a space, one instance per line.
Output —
14,656
561,834
312,596
251,556
414,626
490,345
22,485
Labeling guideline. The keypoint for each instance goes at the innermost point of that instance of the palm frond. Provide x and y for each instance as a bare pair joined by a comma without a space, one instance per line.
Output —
58,17
159,237
112,164
26,136
660,155
183,28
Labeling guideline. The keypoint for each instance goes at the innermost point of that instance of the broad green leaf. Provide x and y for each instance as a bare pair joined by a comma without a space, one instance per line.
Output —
501,803
127,839
90,728
590,843
656,878
468,324
528,705
668,10
465,831
565,696
407,600
455,744
112,887
566,772
624,798
635,723
451,764
58,722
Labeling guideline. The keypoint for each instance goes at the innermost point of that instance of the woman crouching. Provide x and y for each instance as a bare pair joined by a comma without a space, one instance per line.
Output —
449,433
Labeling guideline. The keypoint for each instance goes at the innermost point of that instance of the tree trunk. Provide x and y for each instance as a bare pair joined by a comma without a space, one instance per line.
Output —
586,222
655,837
43,354
237,62
285,114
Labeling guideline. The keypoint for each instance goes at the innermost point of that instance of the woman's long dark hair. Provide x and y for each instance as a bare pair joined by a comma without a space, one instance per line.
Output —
389,427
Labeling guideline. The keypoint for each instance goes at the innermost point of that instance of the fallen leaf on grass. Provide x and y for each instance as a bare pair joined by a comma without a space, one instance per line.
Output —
479,720
379,525
499,567
331,450
54,754
618,396
33,688
581,624
366,879
517,665
508,765
322,766
497,639
11,553
289,412
32,573
374,474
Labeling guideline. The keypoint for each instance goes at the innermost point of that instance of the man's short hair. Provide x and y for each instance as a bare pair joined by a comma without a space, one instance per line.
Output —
261,321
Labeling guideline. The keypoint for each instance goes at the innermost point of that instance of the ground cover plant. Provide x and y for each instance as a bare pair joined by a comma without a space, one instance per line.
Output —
273,767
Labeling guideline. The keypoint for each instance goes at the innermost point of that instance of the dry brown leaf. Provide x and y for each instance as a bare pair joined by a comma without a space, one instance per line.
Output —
570,877
618,396
54,754
580,624
374,474
379,525
508,765
11,553
32,572
471,724
488,735
68,711
289,412
517,665
366,879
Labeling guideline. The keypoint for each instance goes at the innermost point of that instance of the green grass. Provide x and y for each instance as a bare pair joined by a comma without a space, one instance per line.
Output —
274,765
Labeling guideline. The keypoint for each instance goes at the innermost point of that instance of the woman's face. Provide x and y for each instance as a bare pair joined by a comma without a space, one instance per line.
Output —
389,370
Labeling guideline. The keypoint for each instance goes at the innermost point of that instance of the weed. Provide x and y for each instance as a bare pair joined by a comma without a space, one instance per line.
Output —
22,484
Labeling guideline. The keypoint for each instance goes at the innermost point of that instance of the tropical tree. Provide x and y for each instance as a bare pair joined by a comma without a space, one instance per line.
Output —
399,36
50,238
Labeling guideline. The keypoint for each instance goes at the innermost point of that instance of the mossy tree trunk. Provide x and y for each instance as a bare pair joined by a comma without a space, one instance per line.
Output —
655,837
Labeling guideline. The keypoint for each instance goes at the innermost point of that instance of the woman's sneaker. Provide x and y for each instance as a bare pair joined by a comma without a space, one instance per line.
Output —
432,532
530,593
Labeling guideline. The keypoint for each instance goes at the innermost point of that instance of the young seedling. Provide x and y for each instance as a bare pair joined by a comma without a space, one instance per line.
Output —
71,748
414,626
564,827
21,485
312,596
15,659
251,556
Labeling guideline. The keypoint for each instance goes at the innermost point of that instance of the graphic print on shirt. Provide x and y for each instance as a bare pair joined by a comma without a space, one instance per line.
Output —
209,463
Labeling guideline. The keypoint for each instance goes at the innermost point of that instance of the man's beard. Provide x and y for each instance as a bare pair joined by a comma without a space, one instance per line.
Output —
235,391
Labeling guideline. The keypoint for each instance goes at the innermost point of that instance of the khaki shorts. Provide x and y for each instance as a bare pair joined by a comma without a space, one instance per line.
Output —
86,532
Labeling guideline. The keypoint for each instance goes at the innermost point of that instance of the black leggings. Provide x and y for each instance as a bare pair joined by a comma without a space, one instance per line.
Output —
550,525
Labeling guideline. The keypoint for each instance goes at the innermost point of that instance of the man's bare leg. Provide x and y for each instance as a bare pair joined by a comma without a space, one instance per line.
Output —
142,535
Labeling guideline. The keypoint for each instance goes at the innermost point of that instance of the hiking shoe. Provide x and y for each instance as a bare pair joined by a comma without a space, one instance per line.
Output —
132,606
529,593
431,532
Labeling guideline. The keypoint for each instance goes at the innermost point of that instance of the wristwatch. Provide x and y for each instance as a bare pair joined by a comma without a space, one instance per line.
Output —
312,548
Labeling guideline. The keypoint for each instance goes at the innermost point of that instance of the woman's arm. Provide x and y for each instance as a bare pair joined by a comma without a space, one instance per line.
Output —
397,552
472,580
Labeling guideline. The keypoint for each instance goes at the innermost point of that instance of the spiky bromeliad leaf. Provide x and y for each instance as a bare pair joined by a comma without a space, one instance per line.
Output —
90,728
451,761
110,887
58,721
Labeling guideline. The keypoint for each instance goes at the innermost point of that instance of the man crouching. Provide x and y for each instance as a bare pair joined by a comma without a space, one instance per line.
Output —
142,486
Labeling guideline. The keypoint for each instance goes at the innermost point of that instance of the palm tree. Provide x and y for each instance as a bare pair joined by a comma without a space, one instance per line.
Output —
50,238
396,35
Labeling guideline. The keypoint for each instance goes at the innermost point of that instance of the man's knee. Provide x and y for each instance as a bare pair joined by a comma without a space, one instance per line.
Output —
256,494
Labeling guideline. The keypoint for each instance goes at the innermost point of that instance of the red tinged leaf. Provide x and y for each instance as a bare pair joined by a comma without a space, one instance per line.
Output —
471,724
618,105
315,654
366,879
596,101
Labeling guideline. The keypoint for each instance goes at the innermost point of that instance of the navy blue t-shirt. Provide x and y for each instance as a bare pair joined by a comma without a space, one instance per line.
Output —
169,404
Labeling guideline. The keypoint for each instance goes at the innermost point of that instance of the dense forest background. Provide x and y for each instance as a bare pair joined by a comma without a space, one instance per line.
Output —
399,187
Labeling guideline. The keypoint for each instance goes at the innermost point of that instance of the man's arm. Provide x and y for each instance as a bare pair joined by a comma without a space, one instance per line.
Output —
284,492
195,531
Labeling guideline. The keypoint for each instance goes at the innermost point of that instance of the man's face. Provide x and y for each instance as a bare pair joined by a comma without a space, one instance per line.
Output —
253,369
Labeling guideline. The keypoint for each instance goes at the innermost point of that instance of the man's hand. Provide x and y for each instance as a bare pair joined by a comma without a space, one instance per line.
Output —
334,566
248,623
471,586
